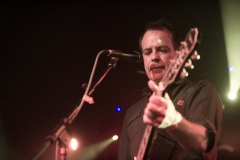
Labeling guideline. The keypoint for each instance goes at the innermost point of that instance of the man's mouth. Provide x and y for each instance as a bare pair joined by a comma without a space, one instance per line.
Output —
156,68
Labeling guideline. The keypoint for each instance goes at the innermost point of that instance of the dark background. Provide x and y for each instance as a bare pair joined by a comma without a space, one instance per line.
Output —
47,53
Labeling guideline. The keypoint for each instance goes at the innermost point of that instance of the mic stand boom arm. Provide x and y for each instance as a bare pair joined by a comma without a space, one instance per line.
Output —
59,131
111,65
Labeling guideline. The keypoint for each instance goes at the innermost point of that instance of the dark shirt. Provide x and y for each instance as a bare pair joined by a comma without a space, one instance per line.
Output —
198,102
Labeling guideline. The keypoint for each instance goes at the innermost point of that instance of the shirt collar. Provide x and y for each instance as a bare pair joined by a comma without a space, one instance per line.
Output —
148,91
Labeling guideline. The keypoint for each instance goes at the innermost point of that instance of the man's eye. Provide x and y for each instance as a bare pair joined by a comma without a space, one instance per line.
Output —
164,50
146,52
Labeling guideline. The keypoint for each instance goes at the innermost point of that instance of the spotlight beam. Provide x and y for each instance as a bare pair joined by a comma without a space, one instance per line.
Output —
230,10
91,152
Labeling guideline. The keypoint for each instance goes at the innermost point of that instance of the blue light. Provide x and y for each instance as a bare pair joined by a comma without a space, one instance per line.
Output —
118,109
230,69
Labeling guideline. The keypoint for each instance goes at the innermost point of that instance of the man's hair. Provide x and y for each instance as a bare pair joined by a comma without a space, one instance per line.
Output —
160,25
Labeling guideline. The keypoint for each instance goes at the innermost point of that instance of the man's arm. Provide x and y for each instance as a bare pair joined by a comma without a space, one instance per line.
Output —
193,137
161,113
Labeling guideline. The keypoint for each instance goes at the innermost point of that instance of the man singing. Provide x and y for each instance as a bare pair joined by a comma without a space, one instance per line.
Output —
196,109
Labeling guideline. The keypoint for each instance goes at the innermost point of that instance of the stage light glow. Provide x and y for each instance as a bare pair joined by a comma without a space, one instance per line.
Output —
232,95
115,137
92,151
118,109
73,144
231,24
230,69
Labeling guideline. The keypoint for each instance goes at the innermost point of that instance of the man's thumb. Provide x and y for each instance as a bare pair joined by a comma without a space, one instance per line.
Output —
153,86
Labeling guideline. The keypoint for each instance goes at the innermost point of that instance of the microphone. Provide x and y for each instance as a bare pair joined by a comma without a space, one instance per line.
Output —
135,58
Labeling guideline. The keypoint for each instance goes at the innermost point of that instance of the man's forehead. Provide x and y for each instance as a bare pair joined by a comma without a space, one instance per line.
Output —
157,37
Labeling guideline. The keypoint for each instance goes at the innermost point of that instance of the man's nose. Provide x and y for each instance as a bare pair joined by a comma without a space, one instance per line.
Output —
155,57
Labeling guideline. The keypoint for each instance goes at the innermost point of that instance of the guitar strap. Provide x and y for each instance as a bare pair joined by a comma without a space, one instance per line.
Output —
164,144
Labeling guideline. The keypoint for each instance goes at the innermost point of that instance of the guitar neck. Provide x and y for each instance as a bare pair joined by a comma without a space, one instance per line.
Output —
145,145
148,137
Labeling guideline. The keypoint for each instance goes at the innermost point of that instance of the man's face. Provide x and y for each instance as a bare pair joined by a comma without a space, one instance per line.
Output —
157,50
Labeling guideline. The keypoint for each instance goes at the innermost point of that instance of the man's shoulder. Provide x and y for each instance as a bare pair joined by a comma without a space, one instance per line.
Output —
203,87
199,84
139,105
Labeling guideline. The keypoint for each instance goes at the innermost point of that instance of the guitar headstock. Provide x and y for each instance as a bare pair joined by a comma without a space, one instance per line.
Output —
183,58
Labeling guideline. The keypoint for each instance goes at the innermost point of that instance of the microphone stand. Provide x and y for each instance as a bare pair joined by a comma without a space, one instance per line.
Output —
111,65
60,136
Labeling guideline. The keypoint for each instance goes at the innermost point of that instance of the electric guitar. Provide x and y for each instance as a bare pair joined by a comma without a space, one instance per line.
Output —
181,61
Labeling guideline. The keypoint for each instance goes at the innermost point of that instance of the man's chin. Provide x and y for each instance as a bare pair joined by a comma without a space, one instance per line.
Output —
156,79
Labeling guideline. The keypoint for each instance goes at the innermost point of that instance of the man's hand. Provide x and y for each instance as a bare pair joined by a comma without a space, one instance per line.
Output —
155,110
160,112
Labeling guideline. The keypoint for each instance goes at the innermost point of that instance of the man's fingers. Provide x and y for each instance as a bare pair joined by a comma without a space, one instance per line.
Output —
153,122
153,86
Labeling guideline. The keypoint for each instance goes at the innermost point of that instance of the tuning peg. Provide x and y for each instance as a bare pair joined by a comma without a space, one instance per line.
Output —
195,55
184,73
188,64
